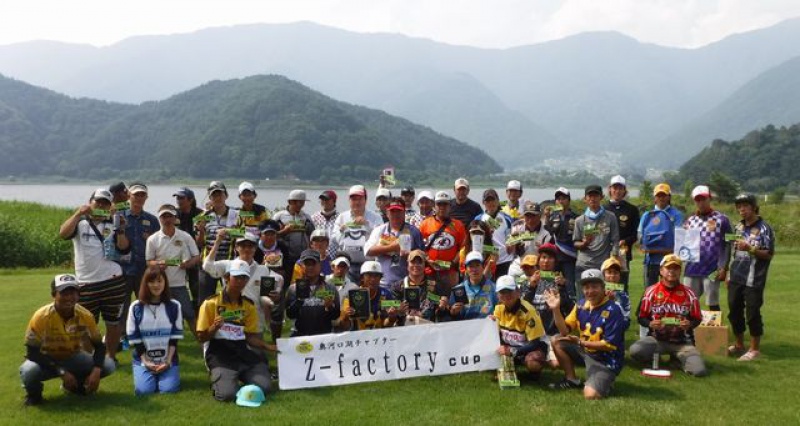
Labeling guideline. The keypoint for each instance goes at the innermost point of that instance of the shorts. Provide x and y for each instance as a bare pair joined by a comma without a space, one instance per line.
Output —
598,376
181,294
106,298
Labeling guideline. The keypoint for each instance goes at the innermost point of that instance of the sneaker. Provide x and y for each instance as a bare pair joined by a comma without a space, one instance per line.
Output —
566,384
735,351
31,400
750,355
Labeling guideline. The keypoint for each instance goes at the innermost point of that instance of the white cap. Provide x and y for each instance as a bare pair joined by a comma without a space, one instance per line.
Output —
473,255
167,210
461,182
102,194
298,195
383,192
701,190
514,184
63,282
249,237
562,190
442,196
506,282
618,180
246,186
339,260
238,267
319,233
357,190
425,194
371,267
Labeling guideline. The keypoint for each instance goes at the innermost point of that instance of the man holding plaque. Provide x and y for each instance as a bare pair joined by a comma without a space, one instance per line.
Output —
561,225
420,295
628,220
500,225
217,217
527,234
443,238
596,234
311,302
174,251
296,227
187,211
250,213
353,227
391,242
670,311
520,328
325,218
475,297
371,306
615,290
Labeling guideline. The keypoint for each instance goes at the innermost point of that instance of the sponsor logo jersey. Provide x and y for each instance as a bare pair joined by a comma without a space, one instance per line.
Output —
58,338
713,226
518,326
679,302
449,241
603,323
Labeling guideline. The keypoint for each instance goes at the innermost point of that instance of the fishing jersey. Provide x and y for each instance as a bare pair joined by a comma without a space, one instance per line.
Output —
660,302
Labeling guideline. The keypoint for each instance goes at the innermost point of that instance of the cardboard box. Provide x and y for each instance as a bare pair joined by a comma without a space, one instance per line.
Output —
711,340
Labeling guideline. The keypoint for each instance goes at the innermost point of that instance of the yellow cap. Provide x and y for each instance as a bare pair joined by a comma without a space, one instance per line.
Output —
671,259
530,260
611,261
662,187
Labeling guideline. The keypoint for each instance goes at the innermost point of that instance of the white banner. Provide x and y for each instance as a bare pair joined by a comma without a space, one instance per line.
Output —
388,354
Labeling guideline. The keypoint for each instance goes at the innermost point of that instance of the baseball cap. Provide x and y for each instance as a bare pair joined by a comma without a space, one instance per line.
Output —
248,237
618,180
339,260
746,198
407,190
662,188
442,197
549,248
167,209
371,267
425,194
238,268
532,208
461,182
671,259
611,261
216,186
250,396
383,192
414,254
309,254
514,184
473,256
562,190
297,195
184,192
490,193
476,228
319,233
328,195
62,282
247,186
137,187
593,189
590,275
117,187
357,190
506,282
701,191
529,260
397,204
269,226
101,194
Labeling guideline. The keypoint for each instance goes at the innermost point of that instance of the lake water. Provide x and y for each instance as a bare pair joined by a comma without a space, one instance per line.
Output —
73,195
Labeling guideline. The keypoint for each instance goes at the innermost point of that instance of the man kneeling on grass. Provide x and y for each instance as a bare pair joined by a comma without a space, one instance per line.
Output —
600,345
520,328
54,341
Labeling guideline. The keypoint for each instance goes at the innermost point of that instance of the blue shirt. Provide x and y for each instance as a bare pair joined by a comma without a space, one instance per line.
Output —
677,220
482,299
138,228
603,323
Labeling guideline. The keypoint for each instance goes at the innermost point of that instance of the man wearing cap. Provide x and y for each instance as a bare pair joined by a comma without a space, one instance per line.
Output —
600,344
391,242
429,298
627,220
531,225
120,196
219,216
426,204
443,238
500,225
615,290
412,217
462,207
512,207
382,197
187,211
54,345
380,316
670,311
339,277
174,251
561,225
596,233
705,275
228,321
479,289
521,328
250,213
319,242
102,284
656,232
311,302
270,254
246,248
753,251
353,228
296,227
326,217
139,226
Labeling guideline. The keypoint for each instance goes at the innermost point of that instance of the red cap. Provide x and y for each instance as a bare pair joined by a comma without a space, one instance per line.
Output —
396,205
550,248
328,195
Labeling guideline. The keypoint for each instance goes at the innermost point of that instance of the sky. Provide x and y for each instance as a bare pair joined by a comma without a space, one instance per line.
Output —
480,23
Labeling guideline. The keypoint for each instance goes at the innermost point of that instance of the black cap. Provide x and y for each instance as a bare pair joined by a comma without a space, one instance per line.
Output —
184,192
490,193
593,189
531,208
407,190
217,186
269,225
746,198
309,254
117,187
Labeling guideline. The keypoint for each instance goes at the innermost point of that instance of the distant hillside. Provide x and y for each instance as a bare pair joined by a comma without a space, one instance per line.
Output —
762,160
263,126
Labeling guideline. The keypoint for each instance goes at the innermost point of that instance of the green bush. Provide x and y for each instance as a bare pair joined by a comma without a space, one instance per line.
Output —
29,235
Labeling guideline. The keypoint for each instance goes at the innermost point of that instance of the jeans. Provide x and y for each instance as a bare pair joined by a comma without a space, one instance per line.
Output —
80,365
146,382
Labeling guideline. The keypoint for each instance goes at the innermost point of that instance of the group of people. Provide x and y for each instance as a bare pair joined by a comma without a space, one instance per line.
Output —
555,281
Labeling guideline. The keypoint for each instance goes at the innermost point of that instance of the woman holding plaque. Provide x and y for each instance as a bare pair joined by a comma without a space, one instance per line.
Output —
371,306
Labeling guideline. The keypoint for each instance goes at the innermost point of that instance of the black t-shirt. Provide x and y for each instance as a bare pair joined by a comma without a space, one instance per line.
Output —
185,221
628,220
466,212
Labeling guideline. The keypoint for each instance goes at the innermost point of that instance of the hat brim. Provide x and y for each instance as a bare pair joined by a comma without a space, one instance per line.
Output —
248,403
671,263
593,279
239,274
63,287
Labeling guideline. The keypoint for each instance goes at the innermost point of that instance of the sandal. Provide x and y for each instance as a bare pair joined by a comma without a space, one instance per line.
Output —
750,355
735,351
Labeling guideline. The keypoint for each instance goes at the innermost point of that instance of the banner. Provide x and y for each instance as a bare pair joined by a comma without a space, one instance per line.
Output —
687,244
388,354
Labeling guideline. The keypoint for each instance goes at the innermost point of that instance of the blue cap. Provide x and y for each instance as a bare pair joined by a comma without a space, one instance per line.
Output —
250,396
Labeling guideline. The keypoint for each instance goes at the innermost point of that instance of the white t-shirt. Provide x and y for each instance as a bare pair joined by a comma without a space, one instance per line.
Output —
252,290
91,265
180,246
351,238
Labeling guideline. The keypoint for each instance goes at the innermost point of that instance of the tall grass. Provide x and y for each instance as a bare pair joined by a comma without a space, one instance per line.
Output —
29,235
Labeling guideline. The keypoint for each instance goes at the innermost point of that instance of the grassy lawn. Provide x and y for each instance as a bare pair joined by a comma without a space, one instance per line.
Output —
734,393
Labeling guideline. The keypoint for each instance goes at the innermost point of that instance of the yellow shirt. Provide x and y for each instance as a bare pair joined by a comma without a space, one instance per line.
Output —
520,327
239,318
60,339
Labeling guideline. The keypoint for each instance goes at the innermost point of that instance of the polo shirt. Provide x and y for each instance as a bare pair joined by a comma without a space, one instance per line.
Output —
603,323
179,247
228,347
57,338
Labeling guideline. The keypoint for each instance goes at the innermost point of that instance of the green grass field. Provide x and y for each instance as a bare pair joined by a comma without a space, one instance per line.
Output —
734,393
